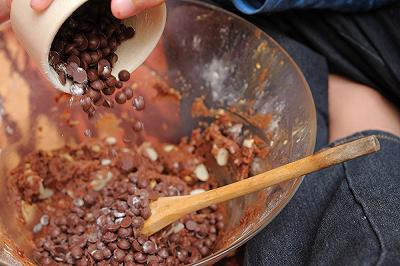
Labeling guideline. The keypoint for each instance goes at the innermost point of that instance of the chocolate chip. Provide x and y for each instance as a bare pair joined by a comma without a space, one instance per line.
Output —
106,253
119,255
128,93
149,247
108,91
109,103
127,164
138,126
124,75
111,81
113,58
213,230
113,227
58,46
138,103
124,232
92,75
72,23
97,85
103,42
68,49
137,222
94,58
220,225
123,244
76,253
79,39
191,225
71,68
106,51
46,261
62,78
109,237
204,251
85,58
103,67
129,32
79,75
94,42
145,213
152,261
98,255
119,84
54,58
140,257
163,253
126,222
74,58
182,255
120,97
84,45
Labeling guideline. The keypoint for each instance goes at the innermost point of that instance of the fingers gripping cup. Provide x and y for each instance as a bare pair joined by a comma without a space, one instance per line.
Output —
37,30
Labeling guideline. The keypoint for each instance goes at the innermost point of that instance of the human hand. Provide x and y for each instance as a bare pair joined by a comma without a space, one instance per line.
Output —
120,8
127,8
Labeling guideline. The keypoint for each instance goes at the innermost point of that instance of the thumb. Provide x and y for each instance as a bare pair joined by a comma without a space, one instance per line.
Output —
40,5
127,8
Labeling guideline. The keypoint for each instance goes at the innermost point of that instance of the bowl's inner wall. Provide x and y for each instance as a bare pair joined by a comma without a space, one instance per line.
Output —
203,52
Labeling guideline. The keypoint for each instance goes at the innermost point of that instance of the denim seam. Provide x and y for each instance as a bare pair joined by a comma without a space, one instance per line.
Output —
371,223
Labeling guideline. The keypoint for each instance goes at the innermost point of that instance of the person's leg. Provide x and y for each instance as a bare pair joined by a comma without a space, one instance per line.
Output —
354,107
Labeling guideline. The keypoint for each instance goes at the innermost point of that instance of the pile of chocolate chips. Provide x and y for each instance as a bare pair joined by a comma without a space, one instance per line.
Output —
92,211
83,52
104,228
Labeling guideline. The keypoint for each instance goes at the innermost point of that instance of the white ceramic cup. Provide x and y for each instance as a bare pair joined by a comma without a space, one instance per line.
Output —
36,31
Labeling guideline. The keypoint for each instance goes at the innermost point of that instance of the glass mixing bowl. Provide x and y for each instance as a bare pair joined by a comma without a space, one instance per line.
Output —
204,51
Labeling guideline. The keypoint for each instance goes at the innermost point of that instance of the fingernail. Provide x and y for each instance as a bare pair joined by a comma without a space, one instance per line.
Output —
35,4
122,8
39,5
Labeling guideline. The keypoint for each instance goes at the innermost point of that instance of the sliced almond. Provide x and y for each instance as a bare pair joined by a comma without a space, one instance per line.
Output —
96,148
197,191
46,193
176,228
169,148
222,157
105,162
248,143
111,140
100,181
150,153
28,212
201,172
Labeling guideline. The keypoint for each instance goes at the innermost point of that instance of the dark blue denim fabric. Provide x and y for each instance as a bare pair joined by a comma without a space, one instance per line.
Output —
345,215
259,6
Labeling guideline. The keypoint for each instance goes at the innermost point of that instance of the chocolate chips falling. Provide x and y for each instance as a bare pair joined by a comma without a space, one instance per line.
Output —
83,52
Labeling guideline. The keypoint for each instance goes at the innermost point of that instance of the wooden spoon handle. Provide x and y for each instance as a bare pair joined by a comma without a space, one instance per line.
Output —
313,163
169,209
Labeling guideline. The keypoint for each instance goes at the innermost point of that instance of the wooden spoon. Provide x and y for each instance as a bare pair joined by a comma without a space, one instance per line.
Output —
166,210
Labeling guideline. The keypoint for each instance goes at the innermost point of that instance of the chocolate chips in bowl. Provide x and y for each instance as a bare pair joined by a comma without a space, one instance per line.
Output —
83,55
92,200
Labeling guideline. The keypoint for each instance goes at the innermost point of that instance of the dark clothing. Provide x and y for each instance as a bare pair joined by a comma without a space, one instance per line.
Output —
348,214
268,6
